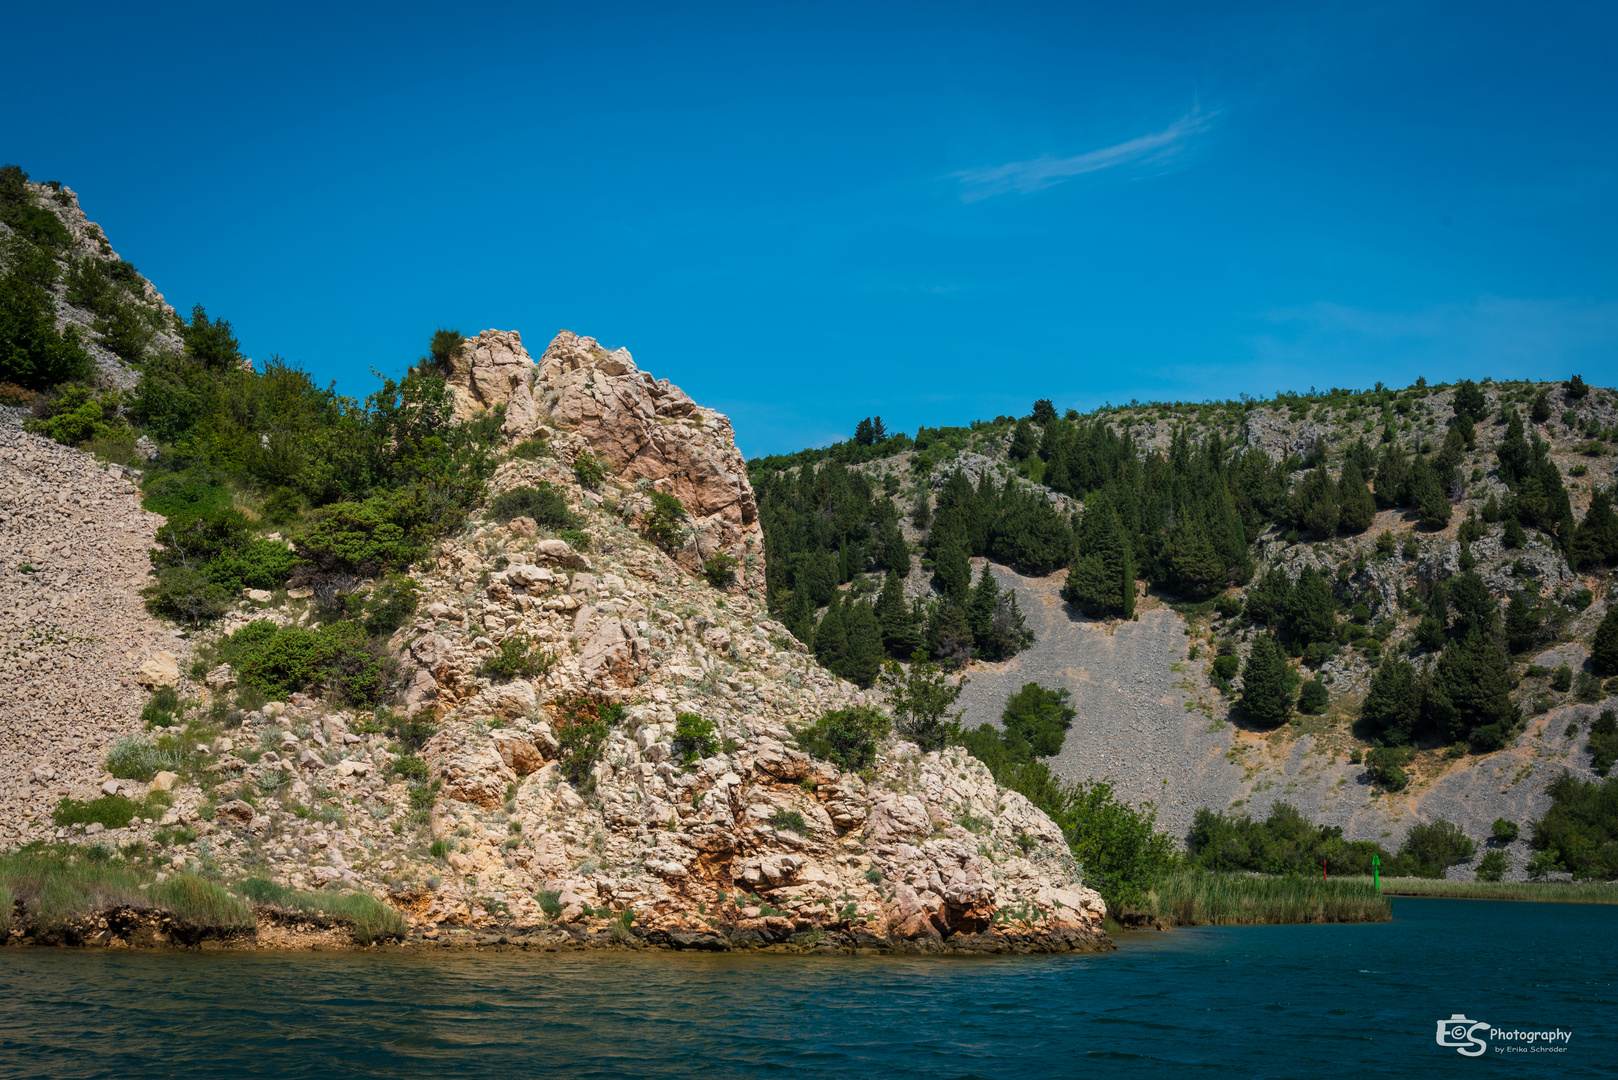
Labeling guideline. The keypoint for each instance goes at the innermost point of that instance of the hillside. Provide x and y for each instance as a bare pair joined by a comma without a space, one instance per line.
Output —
488,646
1218,497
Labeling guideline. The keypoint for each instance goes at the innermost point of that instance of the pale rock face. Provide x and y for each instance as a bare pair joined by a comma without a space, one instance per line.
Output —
644,428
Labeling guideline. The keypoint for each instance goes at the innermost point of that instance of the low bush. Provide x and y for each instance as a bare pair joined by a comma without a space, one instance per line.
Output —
1493,866
1430,848
1313,697
390,605
110,811
531,449
1579,833
335,659
664,521
694,738
135,757
76,414
790,821
517,658
720,570
1385,766
589,470
543,502
849,738
1603,744
160,710
582,724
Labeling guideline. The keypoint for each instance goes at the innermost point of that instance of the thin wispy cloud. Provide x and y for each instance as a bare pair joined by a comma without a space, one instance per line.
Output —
1037,174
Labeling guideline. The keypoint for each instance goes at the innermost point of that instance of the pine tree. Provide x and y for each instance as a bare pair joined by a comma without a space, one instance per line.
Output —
1393,477
1392,706
980,609
1428,496
831,639
1513,537
1468,400
1472,688
864,658
1311,612
1358,509
1023,440
1604,646
800,616
1269,685
1194,566
1523,622
949,633
1539,410
1044,411
1513,453
1596,538
953,571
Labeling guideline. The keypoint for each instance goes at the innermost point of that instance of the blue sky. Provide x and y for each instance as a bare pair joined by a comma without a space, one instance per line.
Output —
933,213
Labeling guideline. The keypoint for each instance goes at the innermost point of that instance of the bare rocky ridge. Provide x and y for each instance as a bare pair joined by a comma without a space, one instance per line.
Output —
653,435
757,844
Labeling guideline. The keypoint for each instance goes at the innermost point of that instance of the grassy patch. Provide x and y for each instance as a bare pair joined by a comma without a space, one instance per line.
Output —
371,919
1215,899
111,811
56,887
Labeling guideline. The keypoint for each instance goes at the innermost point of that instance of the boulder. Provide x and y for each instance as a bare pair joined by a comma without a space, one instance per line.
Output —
237,811
896,818
559,551
164,781
160,669
220,678
615,653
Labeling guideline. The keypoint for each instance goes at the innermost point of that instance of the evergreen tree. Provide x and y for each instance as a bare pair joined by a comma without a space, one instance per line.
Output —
1428,496
1513,537
831,639
921,511
800,617
1044,411
1472,606
1023,441
1269,685
1604,646
901,629
1311,612
1523,622
920,697
980,608
864,659
1596,539
1491,510
1358,509
953,571
1470,680
1393,477
950,634
1392,706
1468,400
1194,566
1540,409
1100,580
1513,453
1269,600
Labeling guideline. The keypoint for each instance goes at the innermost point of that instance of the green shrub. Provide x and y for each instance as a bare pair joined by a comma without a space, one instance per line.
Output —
1562,679
542,502
370,919
363,538
1493,866
848,738
185,593
1283,843
33,353
581,729
112,811
335,659
589,470
532,448
1579,833
76,414
135,757
1430,848
391,604
720,570
549,902
1505,831
693,737
663,521
411,767
517,658
790,820
160,709
1385,766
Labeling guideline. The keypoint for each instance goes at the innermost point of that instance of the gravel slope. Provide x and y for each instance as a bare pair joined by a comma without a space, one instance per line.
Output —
1134,728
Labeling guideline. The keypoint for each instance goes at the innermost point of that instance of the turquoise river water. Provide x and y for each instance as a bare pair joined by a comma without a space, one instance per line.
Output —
1251,1002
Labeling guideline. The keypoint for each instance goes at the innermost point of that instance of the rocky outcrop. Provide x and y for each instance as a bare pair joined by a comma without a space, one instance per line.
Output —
647,430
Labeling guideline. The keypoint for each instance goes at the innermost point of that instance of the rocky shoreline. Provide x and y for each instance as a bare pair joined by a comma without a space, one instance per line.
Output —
291,931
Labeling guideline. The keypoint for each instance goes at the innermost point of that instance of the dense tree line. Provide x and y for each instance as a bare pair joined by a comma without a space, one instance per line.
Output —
1287,843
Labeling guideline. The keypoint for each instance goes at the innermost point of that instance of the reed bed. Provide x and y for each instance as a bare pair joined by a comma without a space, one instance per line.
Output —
1194,898
1564,892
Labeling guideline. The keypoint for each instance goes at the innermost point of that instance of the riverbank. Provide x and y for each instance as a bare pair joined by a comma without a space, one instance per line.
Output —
52,898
